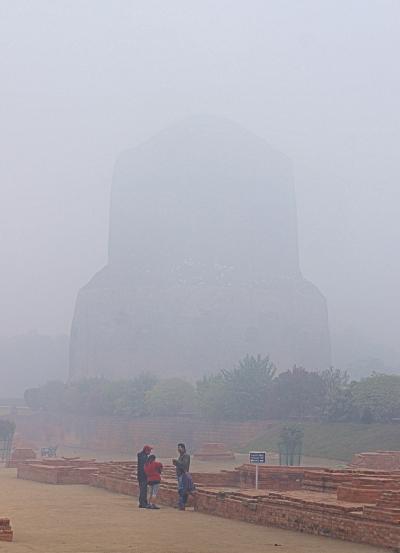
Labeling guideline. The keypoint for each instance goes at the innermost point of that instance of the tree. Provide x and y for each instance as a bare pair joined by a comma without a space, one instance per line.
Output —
132,402
172,396
93,396
377,398
338,402
213,397
240,393
298,394
49,397
7,429
33,398
290,445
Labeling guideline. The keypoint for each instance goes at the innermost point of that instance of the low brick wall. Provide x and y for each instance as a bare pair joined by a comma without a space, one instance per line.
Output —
367,489
223,494
377,460
305,517
6,533
272,477
214,451
326,480
20,455
222,479
57,471
168,494
121,478
127,436
386,508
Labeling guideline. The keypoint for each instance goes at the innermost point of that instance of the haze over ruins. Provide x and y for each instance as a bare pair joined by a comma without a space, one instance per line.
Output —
203,262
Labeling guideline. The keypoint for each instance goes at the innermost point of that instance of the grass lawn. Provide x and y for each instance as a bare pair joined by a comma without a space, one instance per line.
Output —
334,440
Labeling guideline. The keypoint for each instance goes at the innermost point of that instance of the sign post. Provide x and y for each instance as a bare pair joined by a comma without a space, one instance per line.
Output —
257,458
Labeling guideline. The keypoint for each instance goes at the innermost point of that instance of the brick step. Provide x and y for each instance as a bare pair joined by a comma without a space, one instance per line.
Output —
6,532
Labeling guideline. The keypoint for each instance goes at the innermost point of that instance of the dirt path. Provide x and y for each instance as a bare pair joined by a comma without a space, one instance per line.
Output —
81,519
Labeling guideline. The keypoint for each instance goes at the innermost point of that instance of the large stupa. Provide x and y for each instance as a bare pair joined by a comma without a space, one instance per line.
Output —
203,262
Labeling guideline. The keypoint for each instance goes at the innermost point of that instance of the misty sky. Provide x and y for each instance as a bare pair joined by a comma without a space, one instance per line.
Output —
82,80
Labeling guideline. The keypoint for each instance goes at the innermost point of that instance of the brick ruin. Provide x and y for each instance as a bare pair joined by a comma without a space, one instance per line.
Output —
6,533
214,451
354,504
20,455
379,460
119,435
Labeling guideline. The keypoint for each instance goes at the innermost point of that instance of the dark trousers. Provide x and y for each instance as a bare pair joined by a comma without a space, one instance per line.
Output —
143,493
183,497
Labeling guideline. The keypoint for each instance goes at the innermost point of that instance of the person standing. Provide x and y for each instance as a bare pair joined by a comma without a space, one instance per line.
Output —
153,470
142,458
183,461
186,487
182,465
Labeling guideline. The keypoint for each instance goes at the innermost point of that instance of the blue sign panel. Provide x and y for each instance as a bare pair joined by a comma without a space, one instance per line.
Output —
258,457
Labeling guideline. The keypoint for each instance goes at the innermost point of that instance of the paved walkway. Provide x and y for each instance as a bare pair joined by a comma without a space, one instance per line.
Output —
81,519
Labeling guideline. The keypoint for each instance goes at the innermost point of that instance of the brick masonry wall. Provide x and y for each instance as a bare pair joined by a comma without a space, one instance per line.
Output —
20,455
218,494
222,479
120,435
377,460
312,519
272,477
6,533
304,518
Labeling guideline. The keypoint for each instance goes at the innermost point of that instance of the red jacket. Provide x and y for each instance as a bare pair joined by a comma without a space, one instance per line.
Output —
153,471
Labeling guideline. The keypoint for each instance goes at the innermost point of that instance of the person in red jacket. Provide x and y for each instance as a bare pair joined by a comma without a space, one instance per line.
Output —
153,470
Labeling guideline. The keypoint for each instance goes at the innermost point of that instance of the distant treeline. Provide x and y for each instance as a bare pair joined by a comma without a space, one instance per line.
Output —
251,390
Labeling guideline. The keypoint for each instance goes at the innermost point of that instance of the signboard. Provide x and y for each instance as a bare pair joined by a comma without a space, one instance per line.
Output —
258,457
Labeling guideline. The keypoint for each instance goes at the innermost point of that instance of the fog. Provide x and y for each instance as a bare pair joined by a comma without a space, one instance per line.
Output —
83,81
